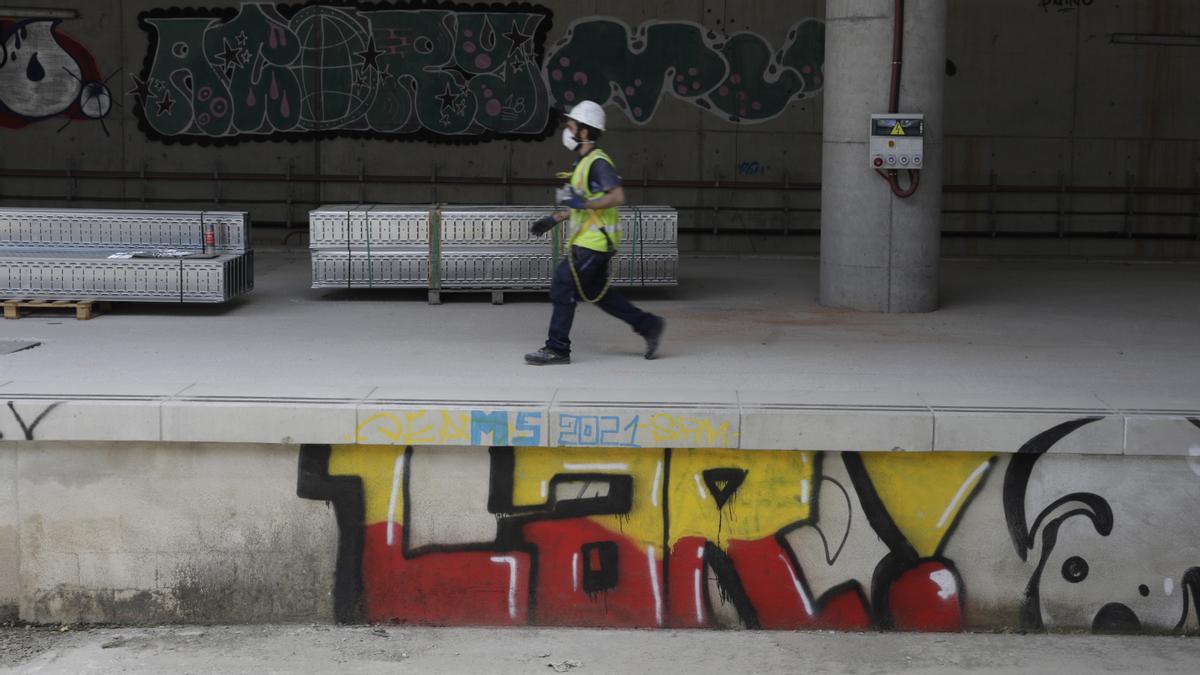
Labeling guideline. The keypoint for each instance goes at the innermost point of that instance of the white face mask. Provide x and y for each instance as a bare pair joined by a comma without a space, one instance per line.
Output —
568,140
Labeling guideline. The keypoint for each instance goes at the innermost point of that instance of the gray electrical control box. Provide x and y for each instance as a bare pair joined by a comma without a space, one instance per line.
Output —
897,141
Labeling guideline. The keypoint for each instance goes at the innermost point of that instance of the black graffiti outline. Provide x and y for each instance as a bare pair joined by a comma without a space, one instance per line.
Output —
902,556
1016,481
27,430
424,135
347,496
1016,478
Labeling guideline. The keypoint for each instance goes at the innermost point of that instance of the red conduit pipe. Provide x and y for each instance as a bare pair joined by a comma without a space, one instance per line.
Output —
892,176
897,56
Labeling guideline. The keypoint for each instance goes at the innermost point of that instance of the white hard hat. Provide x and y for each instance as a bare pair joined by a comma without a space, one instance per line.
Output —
589,113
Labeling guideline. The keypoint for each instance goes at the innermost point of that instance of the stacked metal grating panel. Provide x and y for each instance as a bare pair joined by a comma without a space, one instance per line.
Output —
370,245
145,256
473,247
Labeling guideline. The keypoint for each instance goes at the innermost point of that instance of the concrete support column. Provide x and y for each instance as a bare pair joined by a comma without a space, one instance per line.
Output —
879,252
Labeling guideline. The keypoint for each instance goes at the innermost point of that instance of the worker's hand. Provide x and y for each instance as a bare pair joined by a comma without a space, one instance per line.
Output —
542,225
570,197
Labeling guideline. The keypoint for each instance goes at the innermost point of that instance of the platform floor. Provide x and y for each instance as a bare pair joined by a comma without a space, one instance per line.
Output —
390,649
1011,334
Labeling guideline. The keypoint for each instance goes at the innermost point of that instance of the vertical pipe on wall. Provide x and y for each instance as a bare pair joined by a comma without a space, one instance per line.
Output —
1196,203
1060,220
1129,181
288,196
993,226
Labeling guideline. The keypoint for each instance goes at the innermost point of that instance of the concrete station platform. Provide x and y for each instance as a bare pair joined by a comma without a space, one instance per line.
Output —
750,360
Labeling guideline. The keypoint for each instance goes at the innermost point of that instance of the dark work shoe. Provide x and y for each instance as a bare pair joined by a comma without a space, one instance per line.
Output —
546,357
654,336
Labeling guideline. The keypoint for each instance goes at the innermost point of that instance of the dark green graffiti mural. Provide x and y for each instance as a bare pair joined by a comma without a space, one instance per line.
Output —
443,72
734,76
415,70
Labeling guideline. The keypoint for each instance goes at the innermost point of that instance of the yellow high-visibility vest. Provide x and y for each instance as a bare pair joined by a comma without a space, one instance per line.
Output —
586,223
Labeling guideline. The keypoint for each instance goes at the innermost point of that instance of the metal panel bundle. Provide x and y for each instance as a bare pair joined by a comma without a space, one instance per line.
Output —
102,254
473,247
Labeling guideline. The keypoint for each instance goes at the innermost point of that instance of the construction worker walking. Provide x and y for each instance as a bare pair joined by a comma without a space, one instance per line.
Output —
589,202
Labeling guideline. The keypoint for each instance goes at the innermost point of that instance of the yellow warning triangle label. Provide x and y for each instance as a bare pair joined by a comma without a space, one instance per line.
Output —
897,130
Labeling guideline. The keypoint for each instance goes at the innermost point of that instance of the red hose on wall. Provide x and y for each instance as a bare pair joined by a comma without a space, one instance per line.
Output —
892,176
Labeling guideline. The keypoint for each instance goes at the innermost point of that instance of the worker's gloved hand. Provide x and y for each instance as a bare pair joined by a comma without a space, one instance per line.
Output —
570,197
542,225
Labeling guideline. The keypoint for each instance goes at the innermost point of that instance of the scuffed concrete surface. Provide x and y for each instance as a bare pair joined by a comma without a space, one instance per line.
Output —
1041,329
150,533
366,649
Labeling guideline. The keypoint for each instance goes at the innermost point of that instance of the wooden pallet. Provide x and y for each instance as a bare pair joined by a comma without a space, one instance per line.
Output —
84,309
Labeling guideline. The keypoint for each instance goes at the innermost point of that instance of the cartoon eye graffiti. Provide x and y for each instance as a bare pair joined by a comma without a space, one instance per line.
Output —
47,73
95,100
1075,569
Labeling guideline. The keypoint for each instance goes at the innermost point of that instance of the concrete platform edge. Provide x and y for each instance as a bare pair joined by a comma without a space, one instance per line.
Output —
757,426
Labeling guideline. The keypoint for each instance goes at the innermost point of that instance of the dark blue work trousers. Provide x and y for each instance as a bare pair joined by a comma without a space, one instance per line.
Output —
592,267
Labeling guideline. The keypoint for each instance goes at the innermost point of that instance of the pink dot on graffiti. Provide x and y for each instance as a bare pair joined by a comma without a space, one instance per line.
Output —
570,96
493,107
580,77
564,62
681,89
487,93
469,47
637,112
483,62
203,119
468,32
692,72
556,74
637,82
736,79
724,91
756,105
741,96
696,86
204,94
629,91
679,78
806,69
219,107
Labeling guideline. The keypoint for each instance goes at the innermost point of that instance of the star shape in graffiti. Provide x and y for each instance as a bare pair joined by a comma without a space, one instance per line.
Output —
141,89
241,39
370,56
165,104
517,38
231,57
385,74
447,98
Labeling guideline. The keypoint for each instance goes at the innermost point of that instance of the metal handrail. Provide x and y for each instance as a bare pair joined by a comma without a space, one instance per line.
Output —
1062,211
502,181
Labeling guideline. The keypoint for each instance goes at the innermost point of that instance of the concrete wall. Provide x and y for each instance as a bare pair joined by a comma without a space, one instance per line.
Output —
1039,539
144,533
1038,90
10,547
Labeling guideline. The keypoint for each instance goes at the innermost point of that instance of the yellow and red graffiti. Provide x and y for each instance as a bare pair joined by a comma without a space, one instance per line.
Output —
638,537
